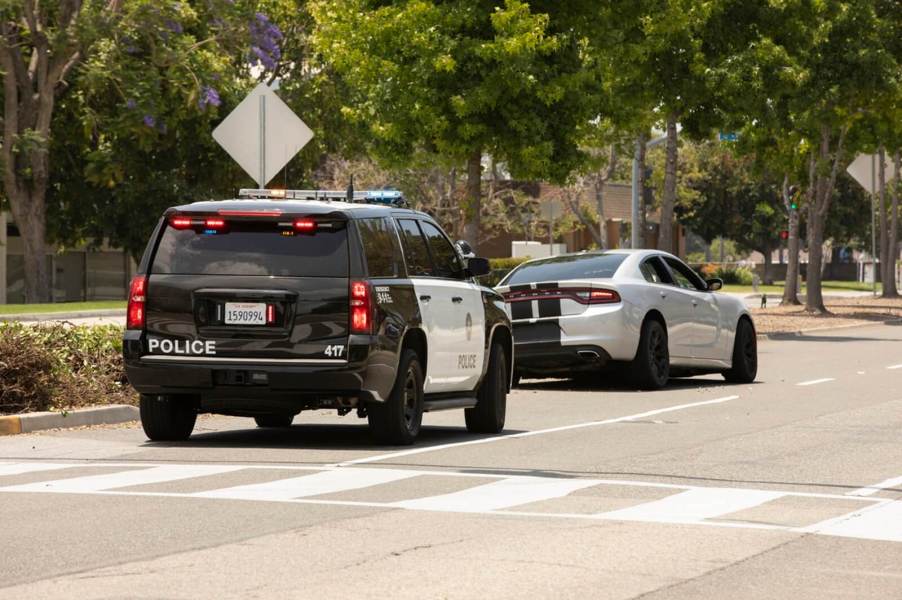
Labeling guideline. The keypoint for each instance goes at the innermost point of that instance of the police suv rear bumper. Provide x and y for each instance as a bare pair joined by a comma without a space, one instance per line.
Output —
368,374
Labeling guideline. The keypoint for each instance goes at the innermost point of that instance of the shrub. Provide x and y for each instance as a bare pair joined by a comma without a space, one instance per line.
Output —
500,268
734,275
59,366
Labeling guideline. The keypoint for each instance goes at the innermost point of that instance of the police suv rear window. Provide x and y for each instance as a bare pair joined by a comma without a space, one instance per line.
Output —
562,268
254,248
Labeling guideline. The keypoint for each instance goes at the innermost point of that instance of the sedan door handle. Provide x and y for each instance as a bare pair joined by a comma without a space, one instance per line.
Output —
663,294
695,303
425,297
457,299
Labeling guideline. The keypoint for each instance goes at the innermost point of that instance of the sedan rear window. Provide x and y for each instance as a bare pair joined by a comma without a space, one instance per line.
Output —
254,248
563,268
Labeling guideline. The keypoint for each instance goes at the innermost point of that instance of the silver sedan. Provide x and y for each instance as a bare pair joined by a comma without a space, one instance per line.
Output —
643,311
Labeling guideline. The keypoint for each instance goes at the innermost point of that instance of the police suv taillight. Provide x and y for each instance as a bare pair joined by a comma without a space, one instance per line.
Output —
137,296
361,307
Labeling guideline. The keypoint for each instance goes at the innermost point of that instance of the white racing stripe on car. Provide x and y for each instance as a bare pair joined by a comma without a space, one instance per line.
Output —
501,494
110,481
693,506
325,482
499,438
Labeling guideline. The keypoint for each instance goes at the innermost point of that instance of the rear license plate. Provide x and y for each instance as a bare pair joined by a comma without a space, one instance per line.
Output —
245,313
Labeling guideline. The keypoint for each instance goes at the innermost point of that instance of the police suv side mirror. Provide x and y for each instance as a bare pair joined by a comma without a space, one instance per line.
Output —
714,284
466,251
477,267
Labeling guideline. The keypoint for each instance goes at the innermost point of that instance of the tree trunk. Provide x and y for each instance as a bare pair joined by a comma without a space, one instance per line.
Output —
889,284
30,217
473,203
600,183
817,214
640,185
665,233
791,285
768,260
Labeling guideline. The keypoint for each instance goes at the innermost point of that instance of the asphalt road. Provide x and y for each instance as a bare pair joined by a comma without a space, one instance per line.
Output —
788,488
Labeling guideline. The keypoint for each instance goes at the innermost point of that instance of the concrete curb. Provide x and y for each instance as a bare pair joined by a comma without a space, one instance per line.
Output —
778,335
37,421
56,316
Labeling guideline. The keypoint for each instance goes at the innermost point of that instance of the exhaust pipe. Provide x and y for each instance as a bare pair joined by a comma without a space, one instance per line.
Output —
588,354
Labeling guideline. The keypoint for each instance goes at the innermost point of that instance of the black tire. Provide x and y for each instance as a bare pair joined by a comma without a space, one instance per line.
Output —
651,367
277,420
398,419
168,418
745,355
491,398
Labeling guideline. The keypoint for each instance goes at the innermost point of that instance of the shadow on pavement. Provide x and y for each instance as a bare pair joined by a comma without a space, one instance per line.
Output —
308,436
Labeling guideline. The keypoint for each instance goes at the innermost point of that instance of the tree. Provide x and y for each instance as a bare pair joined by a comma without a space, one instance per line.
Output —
463,79
39,47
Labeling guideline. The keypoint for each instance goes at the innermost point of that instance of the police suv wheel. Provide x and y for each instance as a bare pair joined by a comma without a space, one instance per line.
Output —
167,418
651,367
274,420
491,405
398,419
745,355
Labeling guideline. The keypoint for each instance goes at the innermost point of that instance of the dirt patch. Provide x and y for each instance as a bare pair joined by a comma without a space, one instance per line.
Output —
843,311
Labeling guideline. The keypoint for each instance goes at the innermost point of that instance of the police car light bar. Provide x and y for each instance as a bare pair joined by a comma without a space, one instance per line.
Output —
389,197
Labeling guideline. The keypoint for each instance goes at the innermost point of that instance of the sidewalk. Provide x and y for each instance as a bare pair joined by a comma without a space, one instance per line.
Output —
84,317
753,299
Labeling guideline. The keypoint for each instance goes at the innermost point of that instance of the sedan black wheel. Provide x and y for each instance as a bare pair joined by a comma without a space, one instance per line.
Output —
745,355
651,367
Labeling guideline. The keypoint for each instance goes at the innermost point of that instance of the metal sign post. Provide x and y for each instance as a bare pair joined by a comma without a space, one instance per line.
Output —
866,176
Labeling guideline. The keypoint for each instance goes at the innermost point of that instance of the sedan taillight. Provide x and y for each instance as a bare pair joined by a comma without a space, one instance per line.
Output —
581,295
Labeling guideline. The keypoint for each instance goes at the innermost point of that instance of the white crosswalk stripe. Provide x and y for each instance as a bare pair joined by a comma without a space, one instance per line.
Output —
30,467
695,505
324,482
882,521
489,494
110,481
501,494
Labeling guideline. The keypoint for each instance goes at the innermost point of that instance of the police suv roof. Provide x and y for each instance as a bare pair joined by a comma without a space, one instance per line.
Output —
351,210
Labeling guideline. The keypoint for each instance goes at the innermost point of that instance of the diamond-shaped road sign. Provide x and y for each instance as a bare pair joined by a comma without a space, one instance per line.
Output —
865,170
262,134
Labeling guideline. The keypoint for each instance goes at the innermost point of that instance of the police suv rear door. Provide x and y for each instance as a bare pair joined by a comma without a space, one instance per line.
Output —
259,286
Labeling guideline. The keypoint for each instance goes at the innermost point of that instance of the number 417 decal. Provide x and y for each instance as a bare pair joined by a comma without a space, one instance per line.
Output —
337,350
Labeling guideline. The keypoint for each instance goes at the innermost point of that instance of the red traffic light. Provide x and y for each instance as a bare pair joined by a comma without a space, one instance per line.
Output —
784,235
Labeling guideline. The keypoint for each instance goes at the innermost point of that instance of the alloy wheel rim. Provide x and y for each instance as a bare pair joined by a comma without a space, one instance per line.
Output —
659,353
410,400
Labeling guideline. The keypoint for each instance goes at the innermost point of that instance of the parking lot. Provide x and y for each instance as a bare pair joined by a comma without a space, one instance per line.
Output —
790,486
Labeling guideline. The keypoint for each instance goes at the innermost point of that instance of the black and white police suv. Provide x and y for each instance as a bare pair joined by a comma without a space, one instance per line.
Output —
283,300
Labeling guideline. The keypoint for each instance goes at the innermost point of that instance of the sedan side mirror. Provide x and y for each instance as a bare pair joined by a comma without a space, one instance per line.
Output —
477,267
714,284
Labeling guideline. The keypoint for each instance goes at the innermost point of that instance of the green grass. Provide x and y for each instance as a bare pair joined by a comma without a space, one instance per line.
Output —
12,309
777,288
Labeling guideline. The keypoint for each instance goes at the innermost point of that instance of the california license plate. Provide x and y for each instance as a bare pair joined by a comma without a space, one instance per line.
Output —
245,313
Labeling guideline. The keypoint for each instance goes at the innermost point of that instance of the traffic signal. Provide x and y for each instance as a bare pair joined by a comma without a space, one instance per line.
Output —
793,197
784,235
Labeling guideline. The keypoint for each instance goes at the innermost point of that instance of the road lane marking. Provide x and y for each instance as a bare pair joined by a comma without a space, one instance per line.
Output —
873,489
31,467
505,493
110,481
816,381
892,367
880,521
499,438
325,482
693,505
